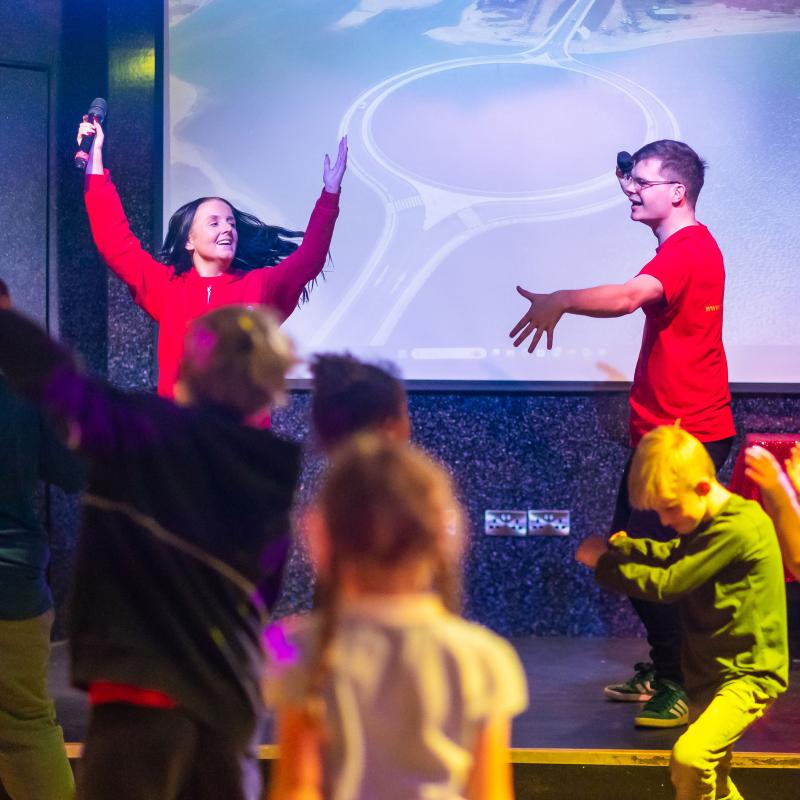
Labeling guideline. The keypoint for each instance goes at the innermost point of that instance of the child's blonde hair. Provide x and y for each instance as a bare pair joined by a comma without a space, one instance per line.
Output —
236,357
385,505
667,462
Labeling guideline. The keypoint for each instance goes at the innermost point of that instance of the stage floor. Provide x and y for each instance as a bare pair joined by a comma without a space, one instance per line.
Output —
567,710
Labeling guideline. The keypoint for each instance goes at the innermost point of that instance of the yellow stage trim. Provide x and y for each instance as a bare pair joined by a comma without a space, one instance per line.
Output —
642,758
595,758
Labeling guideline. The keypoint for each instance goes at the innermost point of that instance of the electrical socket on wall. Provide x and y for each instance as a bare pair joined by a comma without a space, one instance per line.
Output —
548,522
505,523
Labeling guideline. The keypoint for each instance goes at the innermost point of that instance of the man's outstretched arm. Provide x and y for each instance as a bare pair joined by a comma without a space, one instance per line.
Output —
610,300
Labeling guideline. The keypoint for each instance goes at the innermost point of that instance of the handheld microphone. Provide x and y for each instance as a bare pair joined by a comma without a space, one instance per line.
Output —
97,113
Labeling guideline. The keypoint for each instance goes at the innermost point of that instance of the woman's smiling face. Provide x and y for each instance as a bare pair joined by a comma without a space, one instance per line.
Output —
213,236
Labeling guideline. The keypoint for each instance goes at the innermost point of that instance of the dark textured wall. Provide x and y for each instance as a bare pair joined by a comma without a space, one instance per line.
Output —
135,35
32,176
107,48
81,286
31,30
55,57
529,451
24,233
29,58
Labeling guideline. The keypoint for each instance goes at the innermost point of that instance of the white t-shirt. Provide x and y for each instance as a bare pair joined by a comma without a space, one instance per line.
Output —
411,686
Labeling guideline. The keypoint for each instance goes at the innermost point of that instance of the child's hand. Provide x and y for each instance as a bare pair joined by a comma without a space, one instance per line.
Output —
590,550
793,467
762,467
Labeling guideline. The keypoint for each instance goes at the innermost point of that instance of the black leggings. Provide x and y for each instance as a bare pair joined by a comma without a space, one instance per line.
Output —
661,620
137,753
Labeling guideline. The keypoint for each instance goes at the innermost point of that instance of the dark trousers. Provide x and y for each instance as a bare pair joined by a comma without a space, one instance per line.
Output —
661,620
137,753
793,619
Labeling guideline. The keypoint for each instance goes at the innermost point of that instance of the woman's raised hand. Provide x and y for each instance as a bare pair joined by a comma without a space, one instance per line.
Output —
332,175
86,128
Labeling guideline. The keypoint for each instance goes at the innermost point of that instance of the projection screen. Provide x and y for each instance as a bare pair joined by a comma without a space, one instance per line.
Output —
482,143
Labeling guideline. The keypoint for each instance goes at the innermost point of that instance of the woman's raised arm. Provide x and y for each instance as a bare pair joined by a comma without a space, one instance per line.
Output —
146,278
283,284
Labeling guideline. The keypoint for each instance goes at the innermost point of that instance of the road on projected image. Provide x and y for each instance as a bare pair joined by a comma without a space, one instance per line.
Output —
426,220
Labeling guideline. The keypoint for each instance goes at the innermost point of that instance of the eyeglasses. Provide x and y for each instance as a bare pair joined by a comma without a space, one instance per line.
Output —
639,184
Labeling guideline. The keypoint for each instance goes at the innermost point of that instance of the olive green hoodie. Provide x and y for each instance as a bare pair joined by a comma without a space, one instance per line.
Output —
727,578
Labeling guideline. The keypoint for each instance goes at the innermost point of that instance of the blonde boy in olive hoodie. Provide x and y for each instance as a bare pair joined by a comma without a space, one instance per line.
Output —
724,571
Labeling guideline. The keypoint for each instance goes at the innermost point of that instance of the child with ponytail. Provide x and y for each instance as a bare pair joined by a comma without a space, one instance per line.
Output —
385,691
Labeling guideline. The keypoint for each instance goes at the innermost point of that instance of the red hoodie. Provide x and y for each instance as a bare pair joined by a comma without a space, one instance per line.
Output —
173,301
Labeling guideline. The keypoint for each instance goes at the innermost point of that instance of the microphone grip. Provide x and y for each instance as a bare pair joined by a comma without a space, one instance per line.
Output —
81,158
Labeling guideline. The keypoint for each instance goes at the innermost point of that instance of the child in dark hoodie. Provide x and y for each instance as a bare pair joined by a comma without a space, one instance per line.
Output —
184,539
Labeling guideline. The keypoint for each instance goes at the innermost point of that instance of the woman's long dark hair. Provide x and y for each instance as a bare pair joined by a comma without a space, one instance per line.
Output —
259,245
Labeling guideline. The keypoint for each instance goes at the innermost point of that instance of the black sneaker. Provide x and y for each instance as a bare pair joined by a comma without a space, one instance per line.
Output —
667,708
636,689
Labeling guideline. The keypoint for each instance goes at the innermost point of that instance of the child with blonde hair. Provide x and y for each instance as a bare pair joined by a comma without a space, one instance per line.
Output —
384,691
724,571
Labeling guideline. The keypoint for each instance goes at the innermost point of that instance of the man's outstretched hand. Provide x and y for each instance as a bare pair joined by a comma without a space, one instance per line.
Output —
541,318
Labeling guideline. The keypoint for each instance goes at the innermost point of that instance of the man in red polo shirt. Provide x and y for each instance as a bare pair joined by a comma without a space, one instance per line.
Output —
681,374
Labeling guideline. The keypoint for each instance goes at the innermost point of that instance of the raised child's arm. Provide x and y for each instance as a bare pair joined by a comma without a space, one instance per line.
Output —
780,500
793,467
90,416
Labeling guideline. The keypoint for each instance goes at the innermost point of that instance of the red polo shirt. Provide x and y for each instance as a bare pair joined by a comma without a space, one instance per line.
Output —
682,372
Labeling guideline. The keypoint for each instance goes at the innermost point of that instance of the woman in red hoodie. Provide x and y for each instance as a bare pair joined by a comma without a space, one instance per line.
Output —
213,255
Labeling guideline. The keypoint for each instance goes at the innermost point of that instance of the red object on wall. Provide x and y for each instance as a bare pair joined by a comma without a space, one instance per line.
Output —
780,445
